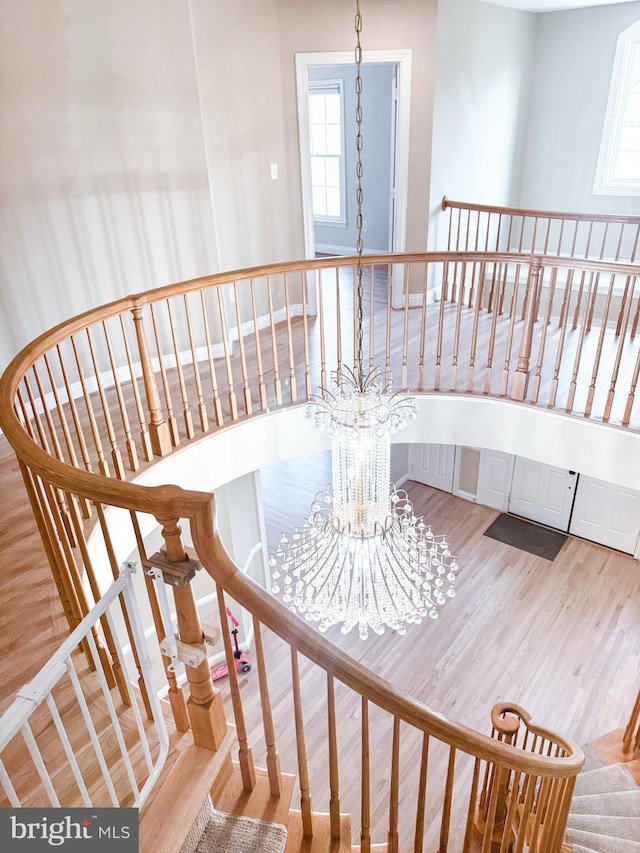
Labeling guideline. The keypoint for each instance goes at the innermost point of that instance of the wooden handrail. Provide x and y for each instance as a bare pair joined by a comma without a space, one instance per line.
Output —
448,203
482,285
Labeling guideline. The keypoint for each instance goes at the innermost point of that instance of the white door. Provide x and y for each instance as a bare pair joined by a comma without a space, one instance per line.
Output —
432,464
542,493
606,513
495,476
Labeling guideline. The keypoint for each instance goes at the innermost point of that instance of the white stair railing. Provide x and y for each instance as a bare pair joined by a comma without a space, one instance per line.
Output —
86,747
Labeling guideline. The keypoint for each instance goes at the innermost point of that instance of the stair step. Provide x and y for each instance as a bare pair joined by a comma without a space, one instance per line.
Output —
617,826
601,843
603,780
166,819
258,803
620,803
321,841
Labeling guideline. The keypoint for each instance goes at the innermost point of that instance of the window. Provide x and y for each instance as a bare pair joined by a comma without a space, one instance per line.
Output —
327,151
618,171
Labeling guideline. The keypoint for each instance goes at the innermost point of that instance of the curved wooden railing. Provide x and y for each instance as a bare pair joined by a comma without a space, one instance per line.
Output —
598,237
104,394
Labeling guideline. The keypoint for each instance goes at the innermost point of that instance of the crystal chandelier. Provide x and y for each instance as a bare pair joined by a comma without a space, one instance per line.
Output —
362,557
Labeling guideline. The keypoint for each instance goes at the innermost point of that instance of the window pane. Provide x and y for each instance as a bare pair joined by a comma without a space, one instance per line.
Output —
318,139
334,139
316,109
627,167
333,201
332,107
318,176
319,201
332,165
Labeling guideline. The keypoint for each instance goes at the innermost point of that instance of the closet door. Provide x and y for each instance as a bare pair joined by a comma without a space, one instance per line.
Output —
607,514
542,493
432,464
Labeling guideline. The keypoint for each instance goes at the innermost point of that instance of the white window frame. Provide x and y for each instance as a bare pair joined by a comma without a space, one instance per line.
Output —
325,87
605,183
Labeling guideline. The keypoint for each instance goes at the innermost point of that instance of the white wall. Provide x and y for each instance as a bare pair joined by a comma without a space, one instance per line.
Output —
482,89
135,149
570,84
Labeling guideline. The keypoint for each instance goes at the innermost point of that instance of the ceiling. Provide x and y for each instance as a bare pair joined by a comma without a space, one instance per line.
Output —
553,5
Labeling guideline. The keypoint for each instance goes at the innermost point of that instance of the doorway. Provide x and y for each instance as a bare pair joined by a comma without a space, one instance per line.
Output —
309,68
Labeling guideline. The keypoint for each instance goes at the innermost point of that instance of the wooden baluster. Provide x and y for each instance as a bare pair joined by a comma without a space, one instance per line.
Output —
274,347
339,321
598,354
527,808
512,321
387,358
115,572
473,799
217,406
172,423
206,714
630,729
262,390
184,395
246,390
308,385
245,755
474,331
273,759
62,505
535,389
392,838
578,354
564,314
334,777
103,467
446,806
202,409
158,428
132,453
540,813
303,768
439,342
492,337
293,390
372,316
323,355
405,332
521,375
176,696
423,328
422,796
623,322
142,420
116,456
365,802
456,334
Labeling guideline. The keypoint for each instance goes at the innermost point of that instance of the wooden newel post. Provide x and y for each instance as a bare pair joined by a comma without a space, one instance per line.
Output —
491,811
206,713
158,428
532,297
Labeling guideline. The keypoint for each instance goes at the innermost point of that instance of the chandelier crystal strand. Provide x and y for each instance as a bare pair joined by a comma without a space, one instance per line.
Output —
361,557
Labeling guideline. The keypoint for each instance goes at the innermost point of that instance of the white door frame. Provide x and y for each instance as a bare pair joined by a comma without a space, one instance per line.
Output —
401,58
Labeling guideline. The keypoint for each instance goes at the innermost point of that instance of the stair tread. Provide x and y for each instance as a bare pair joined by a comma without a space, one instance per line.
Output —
166,819
616,803
619,826
258,803
603,780
321,841
602,843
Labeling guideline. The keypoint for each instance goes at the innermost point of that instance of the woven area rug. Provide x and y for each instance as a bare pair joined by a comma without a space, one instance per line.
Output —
217,832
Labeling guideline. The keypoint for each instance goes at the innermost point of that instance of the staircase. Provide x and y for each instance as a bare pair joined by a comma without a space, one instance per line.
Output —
605,810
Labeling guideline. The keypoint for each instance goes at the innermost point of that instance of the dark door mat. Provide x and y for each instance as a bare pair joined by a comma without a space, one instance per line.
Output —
526,535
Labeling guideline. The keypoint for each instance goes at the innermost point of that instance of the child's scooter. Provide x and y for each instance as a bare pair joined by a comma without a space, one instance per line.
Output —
242,662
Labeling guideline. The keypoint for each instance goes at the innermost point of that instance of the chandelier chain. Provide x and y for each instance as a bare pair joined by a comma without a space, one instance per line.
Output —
359,220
